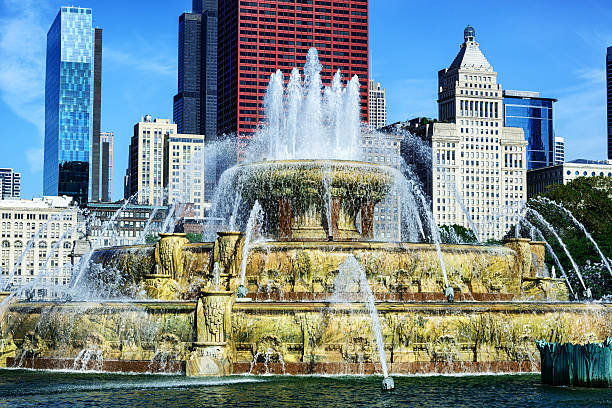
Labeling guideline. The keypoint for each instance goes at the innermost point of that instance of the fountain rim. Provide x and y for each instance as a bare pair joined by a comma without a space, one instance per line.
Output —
315,162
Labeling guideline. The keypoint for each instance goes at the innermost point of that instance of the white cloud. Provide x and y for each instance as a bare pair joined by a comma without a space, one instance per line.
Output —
35,159
147,62
22,52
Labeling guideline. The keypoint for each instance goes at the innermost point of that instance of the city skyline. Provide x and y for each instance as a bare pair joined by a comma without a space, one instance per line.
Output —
140,66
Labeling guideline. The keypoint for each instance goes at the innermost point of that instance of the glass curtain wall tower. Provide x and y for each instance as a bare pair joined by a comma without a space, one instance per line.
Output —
69,104
533,114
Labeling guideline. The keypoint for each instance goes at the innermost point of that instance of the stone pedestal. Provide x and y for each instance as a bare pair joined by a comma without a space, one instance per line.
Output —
367,220
212,326
227,252
538,254
285,216
521,267
162,284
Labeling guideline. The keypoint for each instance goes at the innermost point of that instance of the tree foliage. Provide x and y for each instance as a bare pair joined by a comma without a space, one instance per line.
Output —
151,238
589,199
194,237
457,234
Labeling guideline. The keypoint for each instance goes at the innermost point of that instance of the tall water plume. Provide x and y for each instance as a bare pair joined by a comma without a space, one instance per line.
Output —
305,120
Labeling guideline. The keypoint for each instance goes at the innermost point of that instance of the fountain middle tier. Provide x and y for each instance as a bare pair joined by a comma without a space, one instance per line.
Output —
306,270
315,200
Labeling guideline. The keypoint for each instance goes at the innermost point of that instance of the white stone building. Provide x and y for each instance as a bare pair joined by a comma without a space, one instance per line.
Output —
165,166
184,170
477,163
20,220
377,106
10,184
384,148
539,179
146,162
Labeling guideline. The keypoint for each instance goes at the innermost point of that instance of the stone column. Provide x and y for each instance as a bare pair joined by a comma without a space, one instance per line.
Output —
521,267
523,255
213,326
538,250
367,220
285,215
227,251
335,214
162,283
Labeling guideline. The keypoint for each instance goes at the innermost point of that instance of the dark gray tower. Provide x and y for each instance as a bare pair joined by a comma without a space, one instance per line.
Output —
195,104
609,86
96,170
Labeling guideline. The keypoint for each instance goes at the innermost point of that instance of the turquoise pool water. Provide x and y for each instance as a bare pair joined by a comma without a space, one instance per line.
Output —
23,388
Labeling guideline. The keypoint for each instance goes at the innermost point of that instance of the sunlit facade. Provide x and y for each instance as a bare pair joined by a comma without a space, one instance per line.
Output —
69,104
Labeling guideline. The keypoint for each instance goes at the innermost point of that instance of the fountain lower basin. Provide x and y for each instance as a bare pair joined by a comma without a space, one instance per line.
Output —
217,336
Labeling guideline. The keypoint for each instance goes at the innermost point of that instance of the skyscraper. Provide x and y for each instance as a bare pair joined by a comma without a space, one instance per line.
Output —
258,37
146,160
195,104
106,166
97,172
534,115
609,89
72,107
10,184
377,107
477,163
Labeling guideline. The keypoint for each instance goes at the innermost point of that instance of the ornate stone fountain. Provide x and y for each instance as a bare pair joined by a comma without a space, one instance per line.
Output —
288,324
175,311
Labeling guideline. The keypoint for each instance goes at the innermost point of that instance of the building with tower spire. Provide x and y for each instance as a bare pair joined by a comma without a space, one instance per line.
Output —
477,164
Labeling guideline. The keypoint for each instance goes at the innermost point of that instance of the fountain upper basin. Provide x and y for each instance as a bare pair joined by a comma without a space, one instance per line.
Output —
315,199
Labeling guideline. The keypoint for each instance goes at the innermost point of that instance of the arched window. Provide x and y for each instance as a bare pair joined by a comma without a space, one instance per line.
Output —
42,244
67,245
6,244
18,244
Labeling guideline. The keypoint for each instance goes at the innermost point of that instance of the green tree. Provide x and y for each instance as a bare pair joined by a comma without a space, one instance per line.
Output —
151,238
457,234
194,237
589,199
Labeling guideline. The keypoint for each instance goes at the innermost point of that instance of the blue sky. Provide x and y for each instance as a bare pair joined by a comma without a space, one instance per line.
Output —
554,47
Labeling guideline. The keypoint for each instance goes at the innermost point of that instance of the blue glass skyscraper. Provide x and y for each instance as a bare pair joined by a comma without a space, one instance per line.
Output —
527,110
70,111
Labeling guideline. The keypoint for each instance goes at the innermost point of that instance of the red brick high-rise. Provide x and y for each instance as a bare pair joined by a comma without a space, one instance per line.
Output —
258,37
